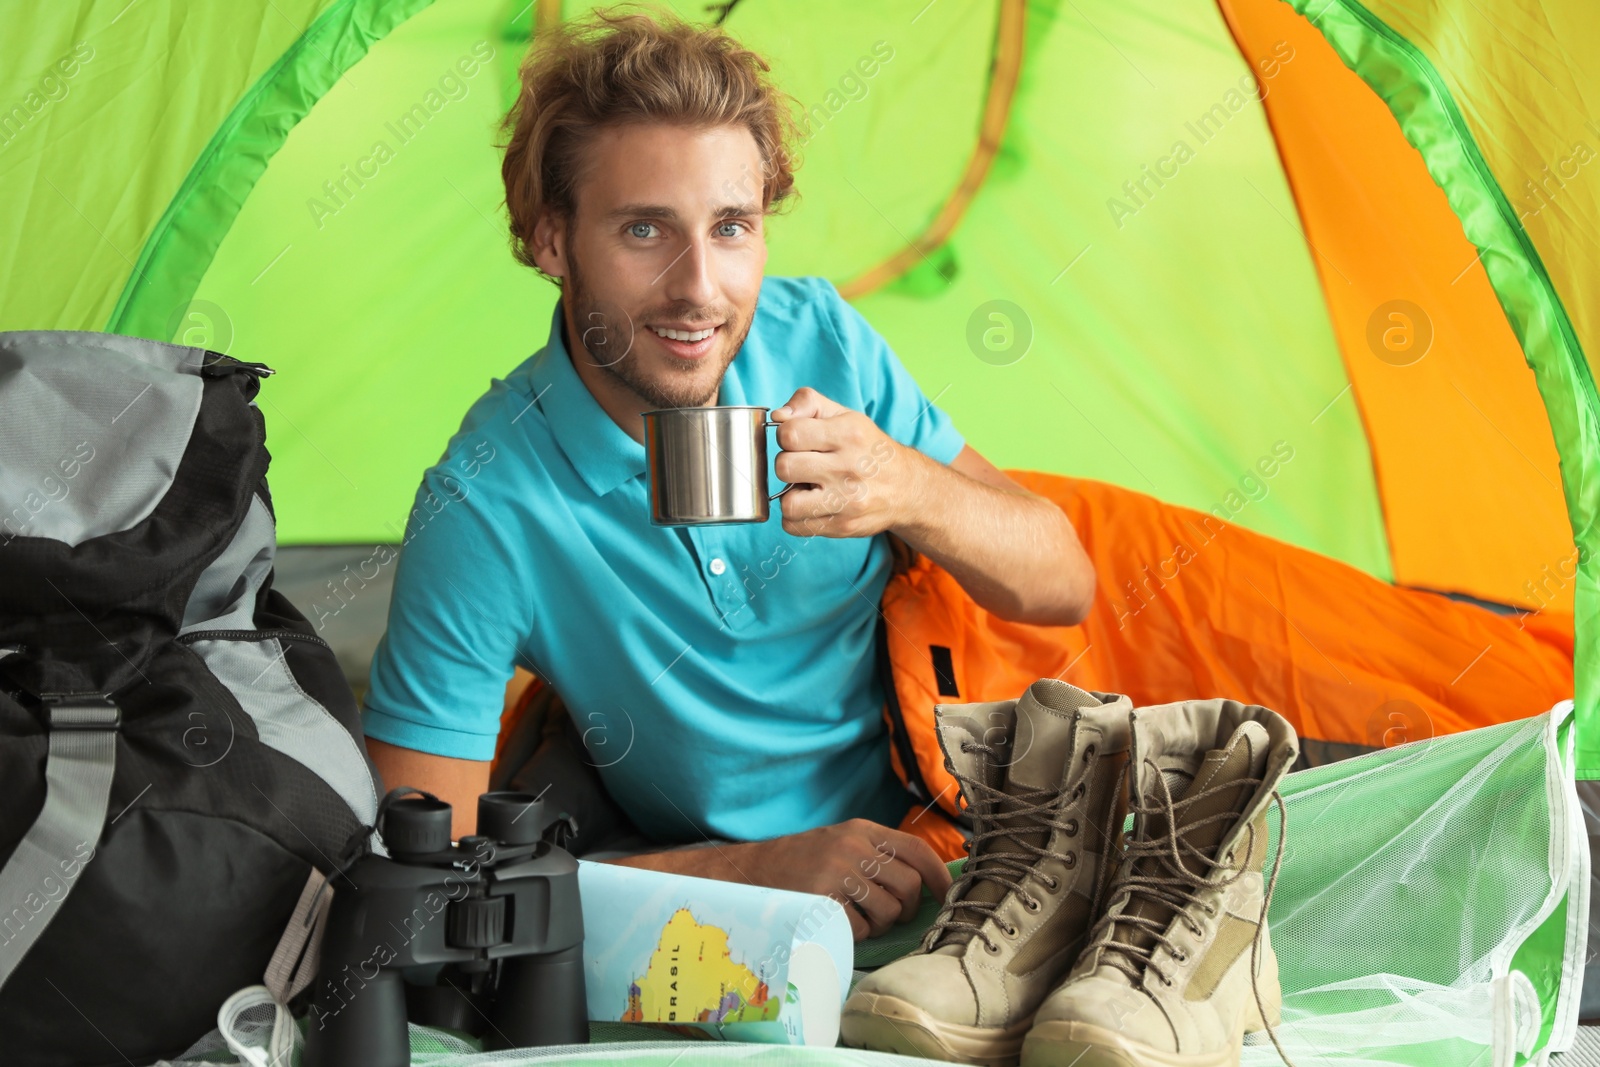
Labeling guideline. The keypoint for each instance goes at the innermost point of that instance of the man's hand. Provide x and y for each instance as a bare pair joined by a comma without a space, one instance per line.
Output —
876,873
850,478
1014,552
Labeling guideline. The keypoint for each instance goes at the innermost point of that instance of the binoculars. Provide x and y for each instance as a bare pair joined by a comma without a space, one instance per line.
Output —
499,910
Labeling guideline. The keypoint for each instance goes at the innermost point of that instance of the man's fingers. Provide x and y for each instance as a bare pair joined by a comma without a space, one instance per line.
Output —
818,491
804,468
913,850
808,435
858,926
903,882
806,403
880,906
803,502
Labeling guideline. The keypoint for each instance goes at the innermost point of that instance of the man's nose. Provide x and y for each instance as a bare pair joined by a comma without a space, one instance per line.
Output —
689,278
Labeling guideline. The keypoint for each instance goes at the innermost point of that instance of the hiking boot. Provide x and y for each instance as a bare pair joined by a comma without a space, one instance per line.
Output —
1180,966
1041,777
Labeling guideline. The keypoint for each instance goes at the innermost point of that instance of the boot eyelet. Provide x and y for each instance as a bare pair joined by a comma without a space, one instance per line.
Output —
1070,860
1051,882
1181,957
1010,931
1032,904
1166,981
1088,754
991,948
1077,793
1072,828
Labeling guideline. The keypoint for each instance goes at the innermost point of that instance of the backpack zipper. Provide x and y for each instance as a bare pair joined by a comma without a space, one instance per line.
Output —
249,635
221,365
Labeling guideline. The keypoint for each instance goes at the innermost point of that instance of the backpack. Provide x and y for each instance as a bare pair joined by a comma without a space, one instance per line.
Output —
180,755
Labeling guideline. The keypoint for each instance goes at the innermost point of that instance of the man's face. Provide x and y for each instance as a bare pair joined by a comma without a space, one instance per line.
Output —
667,237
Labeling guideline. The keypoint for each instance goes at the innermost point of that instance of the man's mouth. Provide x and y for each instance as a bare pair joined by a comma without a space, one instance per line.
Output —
684,342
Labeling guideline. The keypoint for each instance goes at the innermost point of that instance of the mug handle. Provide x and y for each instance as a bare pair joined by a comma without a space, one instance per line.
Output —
786,485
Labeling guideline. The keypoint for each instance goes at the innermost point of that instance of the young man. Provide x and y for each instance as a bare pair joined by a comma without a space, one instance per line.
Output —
722,677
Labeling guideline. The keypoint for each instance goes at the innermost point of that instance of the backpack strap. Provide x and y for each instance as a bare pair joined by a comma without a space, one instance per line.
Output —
78,770
294,962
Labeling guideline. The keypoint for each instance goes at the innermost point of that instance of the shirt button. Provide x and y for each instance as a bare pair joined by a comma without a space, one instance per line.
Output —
717,566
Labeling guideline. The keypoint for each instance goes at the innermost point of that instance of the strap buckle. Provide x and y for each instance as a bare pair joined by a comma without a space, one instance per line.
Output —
74,712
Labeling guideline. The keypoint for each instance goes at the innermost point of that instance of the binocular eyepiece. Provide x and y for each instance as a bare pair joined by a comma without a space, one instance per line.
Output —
418,827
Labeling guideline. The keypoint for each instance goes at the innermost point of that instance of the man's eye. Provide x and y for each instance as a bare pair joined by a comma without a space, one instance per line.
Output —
737,226
640,229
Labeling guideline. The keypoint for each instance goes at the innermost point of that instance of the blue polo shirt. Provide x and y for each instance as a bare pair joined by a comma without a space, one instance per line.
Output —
723,677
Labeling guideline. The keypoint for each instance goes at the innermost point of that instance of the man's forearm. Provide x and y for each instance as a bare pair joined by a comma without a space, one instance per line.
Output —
722,862
1014,552
457,782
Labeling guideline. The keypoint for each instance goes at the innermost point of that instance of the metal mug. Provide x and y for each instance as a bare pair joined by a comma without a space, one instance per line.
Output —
708,465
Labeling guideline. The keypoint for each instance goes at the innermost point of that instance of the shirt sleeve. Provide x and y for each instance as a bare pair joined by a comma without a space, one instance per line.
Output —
891,396
456,620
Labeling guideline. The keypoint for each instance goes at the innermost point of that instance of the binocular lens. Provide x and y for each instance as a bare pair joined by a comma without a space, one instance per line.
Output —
416,826
510,818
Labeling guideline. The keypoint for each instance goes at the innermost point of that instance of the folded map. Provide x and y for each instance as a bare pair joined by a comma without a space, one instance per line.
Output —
716,959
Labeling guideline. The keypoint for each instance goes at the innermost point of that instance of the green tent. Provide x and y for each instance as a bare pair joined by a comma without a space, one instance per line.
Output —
1132,241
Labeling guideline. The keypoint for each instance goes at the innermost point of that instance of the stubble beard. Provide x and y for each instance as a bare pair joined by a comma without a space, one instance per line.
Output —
612,330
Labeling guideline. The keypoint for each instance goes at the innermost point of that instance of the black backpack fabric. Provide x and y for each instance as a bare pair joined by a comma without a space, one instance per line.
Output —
178,749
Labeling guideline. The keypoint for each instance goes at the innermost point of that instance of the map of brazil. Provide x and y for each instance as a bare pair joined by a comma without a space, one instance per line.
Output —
692,977
712,960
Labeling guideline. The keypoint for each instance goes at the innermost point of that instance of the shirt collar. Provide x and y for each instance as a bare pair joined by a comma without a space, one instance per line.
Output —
603,455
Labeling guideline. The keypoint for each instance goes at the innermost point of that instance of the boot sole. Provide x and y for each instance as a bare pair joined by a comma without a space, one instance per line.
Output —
1062,1043
888,1024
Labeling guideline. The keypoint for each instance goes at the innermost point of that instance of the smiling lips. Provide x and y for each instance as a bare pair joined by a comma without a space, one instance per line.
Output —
686,344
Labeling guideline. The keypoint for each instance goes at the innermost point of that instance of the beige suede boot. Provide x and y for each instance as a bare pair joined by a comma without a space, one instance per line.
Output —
1180,967
1042,777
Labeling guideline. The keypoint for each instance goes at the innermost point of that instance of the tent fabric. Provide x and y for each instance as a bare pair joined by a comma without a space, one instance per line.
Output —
1165,332
185,238
1009,44
98,133
1526,80
1419,94
1461,442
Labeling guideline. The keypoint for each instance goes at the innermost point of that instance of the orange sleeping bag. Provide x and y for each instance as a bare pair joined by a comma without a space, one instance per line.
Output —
1190,607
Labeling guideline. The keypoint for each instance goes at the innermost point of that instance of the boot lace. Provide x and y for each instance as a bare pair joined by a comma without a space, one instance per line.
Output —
1179,888
1030,811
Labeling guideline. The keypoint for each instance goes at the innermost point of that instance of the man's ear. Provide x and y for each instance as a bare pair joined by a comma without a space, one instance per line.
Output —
550,244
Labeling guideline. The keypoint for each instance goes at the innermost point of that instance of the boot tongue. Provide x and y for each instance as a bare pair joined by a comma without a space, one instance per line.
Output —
1041,740
1242,757
1042,736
